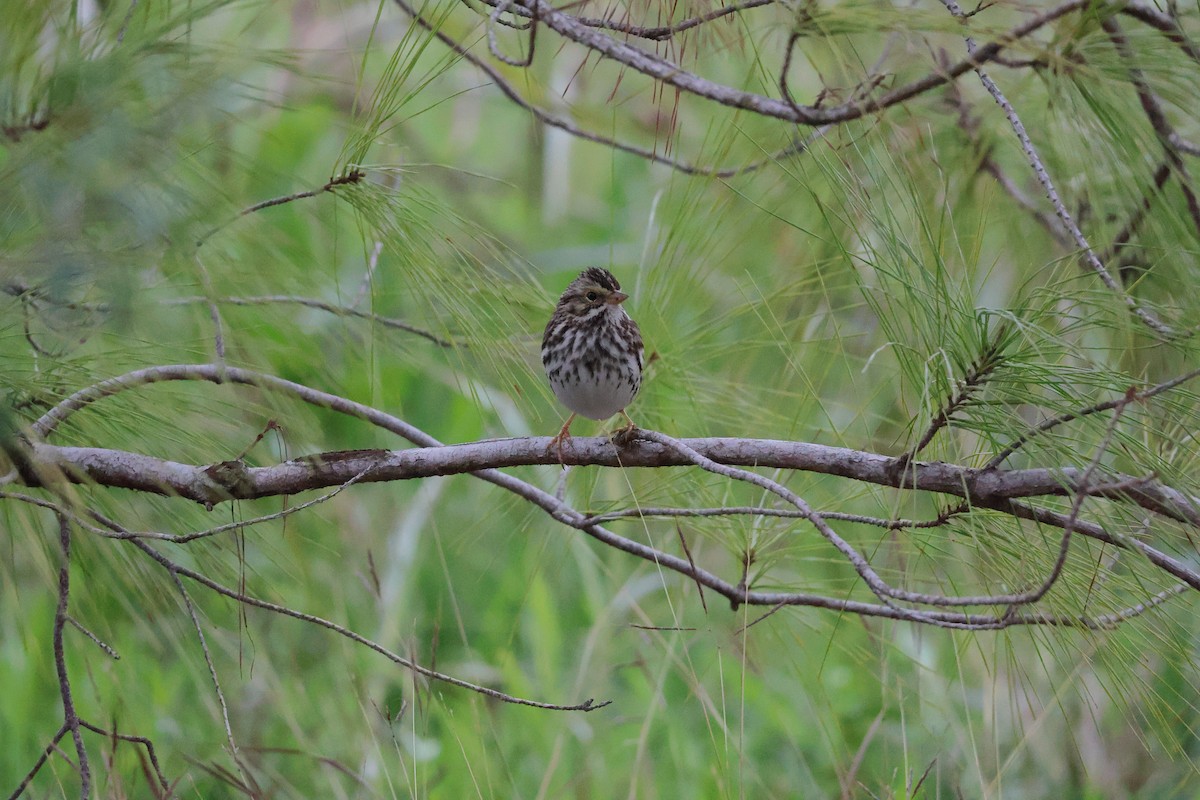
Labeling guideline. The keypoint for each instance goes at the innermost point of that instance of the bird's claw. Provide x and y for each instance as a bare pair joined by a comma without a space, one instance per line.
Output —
624,436
563,437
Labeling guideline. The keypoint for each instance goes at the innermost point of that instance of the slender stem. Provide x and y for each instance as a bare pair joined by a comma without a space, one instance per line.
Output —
70,717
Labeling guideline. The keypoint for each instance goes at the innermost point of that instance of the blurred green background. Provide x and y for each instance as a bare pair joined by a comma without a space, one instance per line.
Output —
834,296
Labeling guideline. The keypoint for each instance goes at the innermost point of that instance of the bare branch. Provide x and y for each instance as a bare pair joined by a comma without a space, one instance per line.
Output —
664,32
310,302
212,668
143,741
1070,416
546,118
687,551
176,570
212,484
993,489
1081,492
70,717
232,480
350,177
1157,117
111,653
671,74
1163,22
1035,162
50,747
786,513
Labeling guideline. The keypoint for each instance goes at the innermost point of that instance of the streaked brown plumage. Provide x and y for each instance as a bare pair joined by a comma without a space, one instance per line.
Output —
592,350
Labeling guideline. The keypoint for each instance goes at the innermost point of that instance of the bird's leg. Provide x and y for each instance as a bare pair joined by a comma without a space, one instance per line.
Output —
563,436
622,434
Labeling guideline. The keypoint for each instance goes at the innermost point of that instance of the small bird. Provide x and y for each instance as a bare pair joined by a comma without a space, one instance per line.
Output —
592,350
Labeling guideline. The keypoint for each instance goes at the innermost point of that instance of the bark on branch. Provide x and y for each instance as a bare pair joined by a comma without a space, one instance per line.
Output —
211,484
43,464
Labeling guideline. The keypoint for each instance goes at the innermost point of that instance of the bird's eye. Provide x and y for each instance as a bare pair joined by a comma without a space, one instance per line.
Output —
591,297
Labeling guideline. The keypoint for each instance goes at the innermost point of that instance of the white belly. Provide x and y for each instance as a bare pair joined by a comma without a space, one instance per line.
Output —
592,396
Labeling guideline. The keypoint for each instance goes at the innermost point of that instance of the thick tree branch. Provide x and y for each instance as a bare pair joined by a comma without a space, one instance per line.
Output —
212,484
986,488
233,480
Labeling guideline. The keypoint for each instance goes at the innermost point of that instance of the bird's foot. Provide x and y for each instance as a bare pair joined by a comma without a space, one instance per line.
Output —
563,437
624,435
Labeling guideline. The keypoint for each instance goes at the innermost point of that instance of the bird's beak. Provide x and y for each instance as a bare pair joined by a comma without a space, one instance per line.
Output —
616,298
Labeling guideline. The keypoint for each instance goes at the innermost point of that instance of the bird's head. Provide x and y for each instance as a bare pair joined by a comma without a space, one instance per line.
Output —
591,292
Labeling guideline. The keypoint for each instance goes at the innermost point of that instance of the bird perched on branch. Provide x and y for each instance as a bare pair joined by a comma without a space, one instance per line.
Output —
592,350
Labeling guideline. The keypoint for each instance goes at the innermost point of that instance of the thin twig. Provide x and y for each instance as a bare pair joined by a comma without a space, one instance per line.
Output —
688,552
212,668
1081,493
70,717
1070,416
786,513
214,313
241,525
1158,558
970,125
881,588
545,117
144,742
672,74
663,32
125,22
113,530
1035,162
178,570
332,308
50,747
1157,117
977,374
109,651
501,7
786,67
350,177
